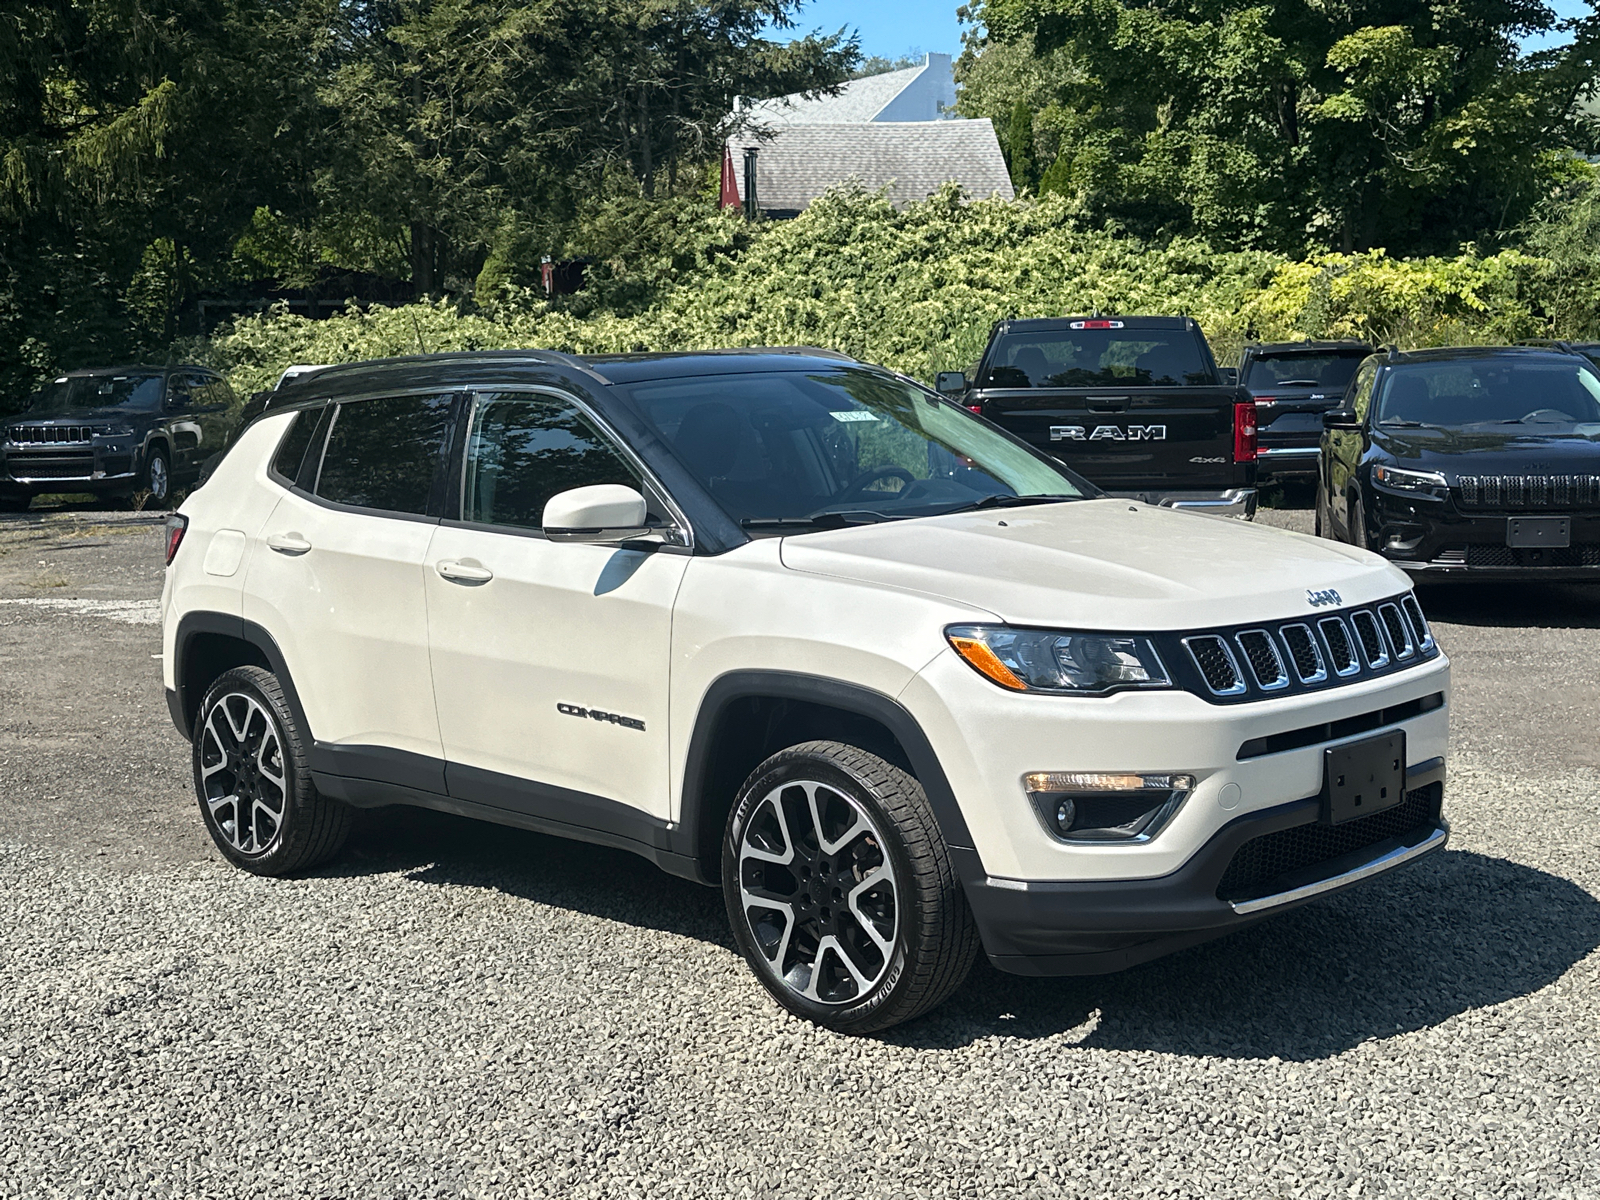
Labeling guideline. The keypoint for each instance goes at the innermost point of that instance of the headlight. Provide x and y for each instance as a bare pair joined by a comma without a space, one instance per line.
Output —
1425,483
1043,660
116,431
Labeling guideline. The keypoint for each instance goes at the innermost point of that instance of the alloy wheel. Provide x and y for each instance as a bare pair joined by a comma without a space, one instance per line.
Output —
159,480
242,776
818,892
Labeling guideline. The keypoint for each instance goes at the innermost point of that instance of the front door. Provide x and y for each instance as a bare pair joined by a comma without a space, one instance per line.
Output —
550,660
336,578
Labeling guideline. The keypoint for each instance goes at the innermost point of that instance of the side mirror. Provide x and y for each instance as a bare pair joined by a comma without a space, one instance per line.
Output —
602,514
1340,418
1230,376
950,383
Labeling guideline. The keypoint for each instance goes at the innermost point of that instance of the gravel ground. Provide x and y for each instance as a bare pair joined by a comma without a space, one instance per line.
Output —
454,1009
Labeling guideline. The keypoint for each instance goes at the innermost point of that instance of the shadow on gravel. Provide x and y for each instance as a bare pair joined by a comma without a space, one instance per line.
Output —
1459,932
1531,605
615,885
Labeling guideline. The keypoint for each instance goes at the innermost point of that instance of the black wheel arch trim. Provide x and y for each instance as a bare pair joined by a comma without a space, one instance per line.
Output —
184,706
832,693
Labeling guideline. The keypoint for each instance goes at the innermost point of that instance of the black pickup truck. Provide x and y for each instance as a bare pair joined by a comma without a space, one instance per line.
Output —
1136,404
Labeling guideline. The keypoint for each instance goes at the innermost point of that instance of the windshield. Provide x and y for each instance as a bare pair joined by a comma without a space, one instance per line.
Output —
793,447
1099,358
1555,394
73,392
1325,372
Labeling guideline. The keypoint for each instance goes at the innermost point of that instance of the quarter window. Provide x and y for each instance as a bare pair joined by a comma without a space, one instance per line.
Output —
385,453
524,449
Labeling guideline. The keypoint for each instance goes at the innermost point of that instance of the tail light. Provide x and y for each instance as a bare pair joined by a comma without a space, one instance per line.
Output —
1244,432
177,526
975,408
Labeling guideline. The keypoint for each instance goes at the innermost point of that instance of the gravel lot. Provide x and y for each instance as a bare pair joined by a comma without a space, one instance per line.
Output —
459,1010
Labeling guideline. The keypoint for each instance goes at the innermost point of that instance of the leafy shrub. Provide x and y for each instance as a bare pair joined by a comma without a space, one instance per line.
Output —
918,291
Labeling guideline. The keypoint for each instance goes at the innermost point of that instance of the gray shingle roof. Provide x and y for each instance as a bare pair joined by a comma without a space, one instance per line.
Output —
913,158
858,100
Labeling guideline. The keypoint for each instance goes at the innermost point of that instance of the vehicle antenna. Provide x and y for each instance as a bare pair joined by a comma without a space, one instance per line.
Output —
417,326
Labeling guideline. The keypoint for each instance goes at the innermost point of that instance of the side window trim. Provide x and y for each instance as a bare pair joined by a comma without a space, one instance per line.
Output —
310,477
456,505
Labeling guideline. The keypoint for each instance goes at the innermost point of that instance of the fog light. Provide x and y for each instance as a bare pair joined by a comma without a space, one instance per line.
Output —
1098,806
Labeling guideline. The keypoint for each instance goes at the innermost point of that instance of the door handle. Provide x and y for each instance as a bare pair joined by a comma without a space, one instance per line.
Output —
463,571
287,543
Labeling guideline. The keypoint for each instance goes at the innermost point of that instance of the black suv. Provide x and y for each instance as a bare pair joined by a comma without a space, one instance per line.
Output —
1293,384
1481,462
116,431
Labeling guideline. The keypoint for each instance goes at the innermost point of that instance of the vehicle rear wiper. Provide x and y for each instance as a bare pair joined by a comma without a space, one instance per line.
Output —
1283,383
1001,501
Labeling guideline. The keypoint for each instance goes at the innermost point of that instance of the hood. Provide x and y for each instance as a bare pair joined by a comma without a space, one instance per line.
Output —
80,416
1506,450
1100,564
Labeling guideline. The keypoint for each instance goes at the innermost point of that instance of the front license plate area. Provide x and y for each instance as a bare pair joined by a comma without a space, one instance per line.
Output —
1554,533
1363,777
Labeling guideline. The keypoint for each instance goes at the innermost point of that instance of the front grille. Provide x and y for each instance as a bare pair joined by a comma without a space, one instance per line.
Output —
1263,658
1216,663
1490,555
1399,635
50,435
1261,862
55,467
1343,654
1527,491
1419,623
1371,640
1303,652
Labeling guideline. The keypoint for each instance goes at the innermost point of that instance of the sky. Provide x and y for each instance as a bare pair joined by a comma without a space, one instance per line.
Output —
892,27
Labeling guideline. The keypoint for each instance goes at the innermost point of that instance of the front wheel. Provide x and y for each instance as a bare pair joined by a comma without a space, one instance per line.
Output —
156,478
841,892
253,782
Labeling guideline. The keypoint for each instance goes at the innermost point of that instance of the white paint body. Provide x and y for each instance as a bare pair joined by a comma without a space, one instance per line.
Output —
386,651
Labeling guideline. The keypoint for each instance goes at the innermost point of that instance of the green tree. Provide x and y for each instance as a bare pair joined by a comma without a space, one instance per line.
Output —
1019,146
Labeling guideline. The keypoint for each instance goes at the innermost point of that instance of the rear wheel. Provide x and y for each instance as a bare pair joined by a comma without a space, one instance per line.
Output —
253,783
841,892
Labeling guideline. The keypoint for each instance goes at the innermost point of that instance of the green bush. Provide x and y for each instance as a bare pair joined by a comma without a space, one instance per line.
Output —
918,291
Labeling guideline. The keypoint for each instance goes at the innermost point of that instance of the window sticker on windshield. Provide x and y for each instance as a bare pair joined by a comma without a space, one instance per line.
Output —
856,414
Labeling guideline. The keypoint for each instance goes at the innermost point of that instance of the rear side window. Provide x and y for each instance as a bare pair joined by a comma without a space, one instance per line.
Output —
292,449
1114,357
385,453
524,449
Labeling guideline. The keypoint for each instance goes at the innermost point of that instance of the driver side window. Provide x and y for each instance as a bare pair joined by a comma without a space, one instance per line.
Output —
524,449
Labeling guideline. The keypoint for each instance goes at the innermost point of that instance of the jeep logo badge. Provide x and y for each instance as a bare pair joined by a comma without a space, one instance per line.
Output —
1324,597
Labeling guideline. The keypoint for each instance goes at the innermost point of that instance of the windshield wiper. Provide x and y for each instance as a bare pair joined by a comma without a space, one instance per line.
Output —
1002,501
1398,423
821,520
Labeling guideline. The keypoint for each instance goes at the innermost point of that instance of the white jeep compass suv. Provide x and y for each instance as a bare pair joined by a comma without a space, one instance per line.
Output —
901,685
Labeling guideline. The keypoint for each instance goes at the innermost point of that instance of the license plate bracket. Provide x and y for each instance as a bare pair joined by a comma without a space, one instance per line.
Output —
1553,533
1362,778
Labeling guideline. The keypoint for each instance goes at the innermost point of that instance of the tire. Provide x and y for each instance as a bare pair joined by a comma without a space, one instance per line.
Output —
1358,524
15,503
290,826
156,478
1320,526
878,947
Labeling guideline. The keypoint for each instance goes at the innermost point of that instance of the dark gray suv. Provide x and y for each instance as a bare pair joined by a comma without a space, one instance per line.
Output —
115,432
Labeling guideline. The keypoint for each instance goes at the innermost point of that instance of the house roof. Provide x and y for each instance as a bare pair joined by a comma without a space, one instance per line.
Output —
916,94
797,163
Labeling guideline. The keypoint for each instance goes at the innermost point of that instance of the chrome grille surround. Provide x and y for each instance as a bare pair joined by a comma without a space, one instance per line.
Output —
1401,641
50,435
1419,623
1527,491
1266,664
1210,654
1369,635
1341,646
1304,652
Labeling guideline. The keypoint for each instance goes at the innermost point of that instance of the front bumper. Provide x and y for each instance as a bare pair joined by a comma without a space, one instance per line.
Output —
1093,927
1435,542
1233,502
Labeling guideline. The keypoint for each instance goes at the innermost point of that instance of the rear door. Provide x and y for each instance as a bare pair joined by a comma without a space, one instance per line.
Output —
337,581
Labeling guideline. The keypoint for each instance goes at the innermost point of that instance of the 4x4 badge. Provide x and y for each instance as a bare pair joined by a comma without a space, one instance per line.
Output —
1325,596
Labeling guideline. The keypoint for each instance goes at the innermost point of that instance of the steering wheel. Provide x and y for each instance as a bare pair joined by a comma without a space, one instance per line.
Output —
867,478
1555,414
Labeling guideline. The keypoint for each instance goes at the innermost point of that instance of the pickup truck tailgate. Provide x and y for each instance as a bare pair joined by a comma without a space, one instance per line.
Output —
1136,439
